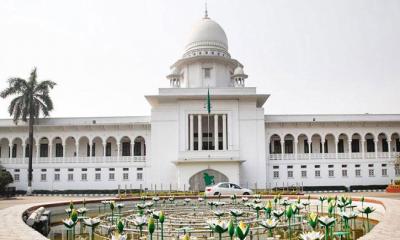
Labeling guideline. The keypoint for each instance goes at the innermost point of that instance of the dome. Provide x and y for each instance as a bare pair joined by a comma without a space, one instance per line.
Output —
238,71
207,33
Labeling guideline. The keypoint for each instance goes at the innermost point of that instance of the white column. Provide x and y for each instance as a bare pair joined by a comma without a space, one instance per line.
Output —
199,133
64,146
309,149
23,150
336,148
37,150
282,148
191,135
132,146
77,150
295,150
323,149
216,132
389,150
376,148
349,144
50,151
118,150
363,148
224,135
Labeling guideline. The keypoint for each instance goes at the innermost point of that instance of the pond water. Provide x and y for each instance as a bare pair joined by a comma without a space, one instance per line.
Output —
191,217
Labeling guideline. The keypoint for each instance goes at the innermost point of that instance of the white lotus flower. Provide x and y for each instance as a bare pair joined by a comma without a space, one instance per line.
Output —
218,213
120,205
200,199
326,221
219,203
218,225
311,236
140,221
149,204
156,199
82,210
68,223
187,200
350,215
245,199
91,221
236,212
270,223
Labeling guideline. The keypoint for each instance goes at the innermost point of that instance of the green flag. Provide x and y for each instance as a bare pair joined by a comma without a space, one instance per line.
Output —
208,102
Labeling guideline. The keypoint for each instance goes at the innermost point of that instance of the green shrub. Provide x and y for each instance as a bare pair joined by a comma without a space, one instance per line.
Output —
5,179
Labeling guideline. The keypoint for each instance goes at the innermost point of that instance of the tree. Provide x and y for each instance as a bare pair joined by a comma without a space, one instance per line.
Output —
31,99
5,179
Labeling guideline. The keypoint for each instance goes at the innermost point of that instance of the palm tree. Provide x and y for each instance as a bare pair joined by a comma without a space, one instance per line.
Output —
31,99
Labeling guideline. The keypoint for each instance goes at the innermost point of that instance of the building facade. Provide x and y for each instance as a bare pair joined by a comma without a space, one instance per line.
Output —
186,136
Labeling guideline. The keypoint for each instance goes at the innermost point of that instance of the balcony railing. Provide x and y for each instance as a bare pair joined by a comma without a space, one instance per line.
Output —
43,160
358,155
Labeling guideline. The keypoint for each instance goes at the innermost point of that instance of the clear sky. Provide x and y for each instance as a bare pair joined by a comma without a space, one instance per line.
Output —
317,56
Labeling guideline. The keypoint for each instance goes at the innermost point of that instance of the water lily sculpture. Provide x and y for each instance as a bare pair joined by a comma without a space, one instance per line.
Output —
269,224
242,230
278,213
120,206
139,222
187,201
322,199
245,199
236,213
367,210
219,213
82,210
311,236
70,225
149,204
258,207
327,222
92,223
155,199
347,217
218,226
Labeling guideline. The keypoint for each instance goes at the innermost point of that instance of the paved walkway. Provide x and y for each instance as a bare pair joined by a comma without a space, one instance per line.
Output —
13,227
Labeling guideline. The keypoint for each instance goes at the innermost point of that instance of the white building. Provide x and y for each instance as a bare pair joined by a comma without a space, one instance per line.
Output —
237,142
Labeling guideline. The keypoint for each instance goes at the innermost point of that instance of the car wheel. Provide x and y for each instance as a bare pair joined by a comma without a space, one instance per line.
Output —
246,193
216,193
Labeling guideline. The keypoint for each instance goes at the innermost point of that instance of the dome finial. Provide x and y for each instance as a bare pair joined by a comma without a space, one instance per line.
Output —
205,10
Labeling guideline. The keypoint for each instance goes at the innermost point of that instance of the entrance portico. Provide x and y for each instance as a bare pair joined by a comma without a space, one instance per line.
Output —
220,169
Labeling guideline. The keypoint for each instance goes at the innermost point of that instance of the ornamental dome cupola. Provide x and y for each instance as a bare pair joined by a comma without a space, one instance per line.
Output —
238,77
207,38
174,78
206,61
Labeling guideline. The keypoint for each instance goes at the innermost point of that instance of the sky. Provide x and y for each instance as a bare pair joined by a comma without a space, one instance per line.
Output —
312,56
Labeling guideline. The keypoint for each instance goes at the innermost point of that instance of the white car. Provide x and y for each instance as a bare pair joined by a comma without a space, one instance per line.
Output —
226,188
